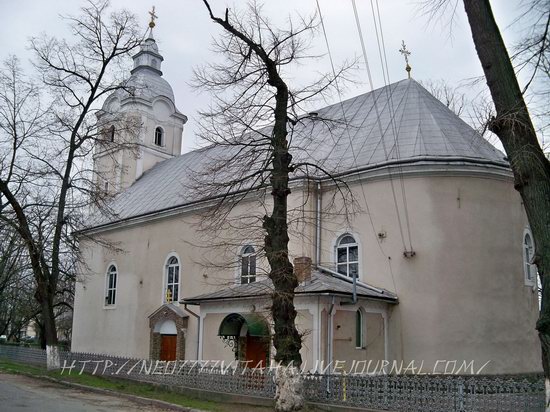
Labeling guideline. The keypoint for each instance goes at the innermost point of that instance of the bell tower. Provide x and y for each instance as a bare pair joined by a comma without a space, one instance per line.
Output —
141,125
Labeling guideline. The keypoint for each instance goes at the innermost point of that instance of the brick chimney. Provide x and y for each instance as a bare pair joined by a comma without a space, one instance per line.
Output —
302,268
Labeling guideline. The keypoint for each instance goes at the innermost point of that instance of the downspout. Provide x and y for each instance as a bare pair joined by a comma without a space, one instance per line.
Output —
354,293
330,338
318,227
198,326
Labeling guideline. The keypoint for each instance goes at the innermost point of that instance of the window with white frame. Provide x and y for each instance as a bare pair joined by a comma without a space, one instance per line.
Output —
248,265
359,329
110,286
159,136
529,269
347,256
172,280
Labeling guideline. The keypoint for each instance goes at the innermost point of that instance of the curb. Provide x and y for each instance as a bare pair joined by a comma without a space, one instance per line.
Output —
135,398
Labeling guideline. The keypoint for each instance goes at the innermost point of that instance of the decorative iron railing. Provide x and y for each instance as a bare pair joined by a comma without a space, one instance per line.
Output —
423,393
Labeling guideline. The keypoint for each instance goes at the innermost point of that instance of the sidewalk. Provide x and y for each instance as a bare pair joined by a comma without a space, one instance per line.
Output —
134,392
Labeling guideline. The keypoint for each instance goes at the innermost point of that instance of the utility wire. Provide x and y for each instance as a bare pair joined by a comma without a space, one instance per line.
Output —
379,123
346,124
384,64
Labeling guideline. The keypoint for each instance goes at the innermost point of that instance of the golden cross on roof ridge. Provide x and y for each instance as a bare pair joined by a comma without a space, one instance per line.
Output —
403,50
153,17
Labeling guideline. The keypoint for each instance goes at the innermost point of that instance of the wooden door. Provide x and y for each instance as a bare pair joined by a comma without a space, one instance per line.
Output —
168,345
256,352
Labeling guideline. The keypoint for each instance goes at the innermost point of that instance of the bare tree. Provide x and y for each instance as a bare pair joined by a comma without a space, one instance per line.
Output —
252,128
476,109
45,175
532,57
15,310
513,125
450,96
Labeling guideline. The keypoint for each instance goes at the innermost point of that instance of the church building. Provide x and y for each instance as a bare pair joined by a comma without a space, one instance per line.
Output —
433,267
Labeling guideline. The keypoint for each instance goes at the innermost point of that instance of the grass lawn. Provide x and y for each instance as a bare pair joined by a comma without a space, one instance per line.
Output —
134,388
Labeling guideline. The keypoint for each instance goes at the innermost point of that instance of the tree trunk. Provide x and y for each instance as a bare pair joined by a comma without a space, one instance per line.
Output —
531,169
287,340
45,298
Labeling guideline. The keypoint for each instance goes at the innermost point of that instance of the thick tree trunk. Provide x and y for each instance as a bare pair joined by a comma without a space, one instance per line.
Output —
530,167
45,298
287,340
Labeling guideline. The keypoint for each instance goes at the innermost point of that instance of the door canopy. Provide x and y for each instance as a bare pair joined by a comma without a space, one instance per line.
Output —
231,325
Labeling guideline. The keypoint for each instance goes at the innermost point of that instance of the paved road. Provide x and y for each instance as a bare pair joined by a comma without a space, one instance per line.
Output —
21,393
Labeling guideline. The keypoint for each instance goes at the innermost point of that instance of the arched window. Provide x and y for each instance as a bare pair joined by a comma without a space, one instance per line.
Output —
110,286
112,133
359,329
248,265
347,256
172,280
159,136
529,269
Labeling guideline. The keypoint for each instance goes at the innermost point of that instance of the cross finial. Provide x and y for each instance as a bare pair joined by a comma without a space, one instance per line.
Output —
403,50
153,17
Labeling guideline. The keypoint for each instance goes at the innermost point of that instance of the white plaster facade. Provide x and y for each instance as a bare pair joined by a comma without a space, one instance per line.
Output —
462,296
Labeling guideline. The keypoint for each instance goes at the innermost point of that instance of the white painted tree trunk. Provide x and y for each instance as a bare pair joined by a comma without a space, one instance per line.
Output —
547,385
289,395
52,357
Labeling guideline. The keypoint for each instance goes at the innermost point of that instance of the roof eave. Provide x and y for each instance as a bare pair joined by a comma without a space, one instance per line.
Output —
387,299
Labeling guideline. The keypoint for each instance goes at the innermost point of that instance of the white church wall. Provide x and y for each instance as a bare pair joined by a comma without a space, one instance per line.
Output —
462,296
140,253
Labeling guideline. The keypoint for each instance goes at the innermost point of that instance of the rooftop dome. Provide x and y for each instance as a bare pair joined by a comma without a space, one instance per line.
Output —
148,85
146,81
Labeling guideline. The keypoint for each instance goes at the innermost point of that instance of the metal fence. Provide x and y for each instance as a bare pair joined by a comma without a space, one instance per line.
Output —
426,393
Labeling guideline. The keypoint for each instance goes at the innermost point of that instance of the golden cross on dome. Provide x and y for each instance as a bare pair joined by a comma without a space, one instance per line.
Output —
153,17
403,50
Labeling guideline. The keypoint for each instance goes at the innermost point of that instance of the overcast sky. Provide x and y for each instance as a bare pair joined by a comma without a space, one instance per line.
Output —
184,34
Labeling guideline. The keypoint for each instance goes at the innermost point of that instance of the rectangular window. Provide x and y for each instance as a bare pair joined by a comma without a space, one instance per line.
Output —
358,329
248,269
110,295
172,282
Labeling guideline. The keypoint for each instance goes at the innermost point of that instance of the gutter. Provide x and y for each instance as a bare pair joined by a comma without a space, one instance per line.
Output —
389,299
355,281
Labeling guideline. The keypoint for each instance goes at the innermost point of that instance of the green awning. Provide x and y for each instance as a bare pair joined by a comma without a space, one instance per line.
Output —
231,325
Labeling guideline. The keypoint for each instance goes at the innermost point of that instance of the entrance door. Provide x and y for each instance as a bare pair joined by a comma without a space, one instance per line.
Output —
256,351
168,344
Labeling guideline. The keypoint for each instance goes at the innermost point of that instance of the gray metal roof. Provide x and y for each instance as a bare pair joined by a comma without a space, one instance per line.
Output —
320,283
407,124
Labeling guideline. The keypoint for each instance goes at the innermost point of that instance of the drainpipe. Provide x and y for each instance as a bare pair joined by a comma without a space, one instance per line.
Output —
318,227
198,327
354,298
330,338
